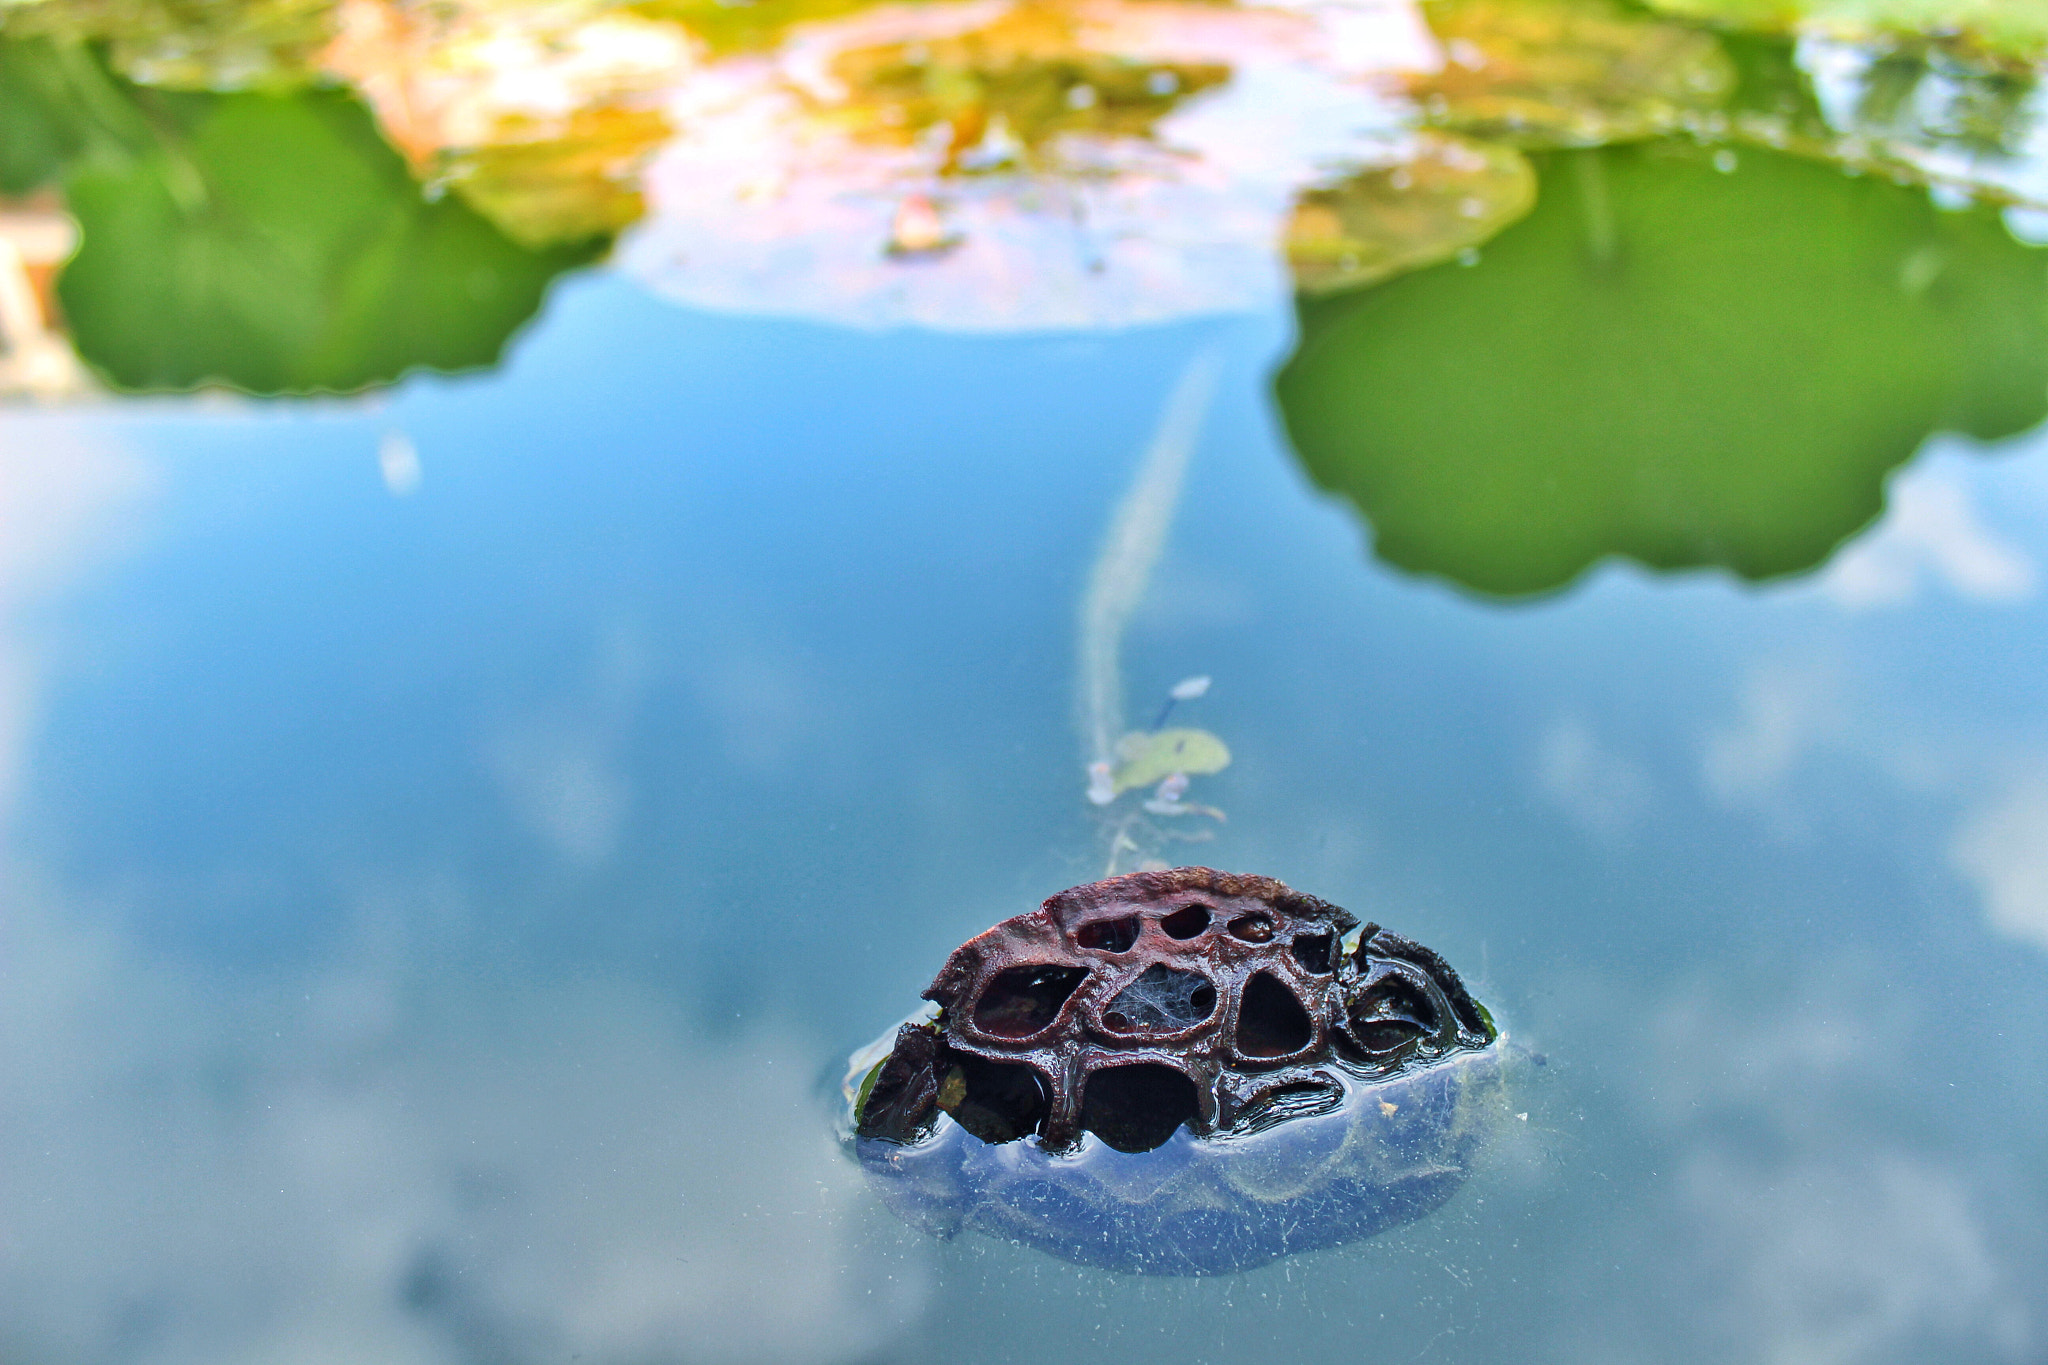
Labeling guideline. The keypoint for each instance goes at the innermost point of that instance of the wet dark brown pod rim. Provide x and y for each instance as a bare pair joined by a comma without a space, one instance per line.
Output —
1131,1007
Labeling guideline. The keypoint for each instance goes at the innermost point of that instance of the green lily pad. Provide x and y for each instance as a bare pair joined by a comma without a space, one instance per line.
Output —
41,128
1148,756
277,244
1680,356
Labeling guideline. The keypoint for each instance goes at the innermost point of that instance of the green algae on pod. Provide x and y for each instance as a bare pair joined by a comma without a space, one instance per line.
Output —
1683,356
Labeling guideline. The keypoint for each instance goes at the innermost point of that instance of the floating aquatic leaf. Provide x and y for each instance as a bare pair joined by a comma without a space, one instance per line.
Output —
1563,73
539,115
579,181
1030,73
1060,163
1445,195
1085,162
1670,362
758,26
1098,1064
1148,756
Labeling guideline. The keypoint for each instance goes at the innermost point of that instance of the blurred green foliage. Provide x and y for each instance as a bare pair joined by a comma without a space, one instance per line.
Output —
1567,73
47,97
271,243
1679,362
188,44
2016,29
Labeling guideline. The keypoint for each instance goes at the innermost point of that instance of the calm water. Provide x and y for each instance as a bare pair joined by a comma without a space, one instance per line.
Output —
431,920
450,839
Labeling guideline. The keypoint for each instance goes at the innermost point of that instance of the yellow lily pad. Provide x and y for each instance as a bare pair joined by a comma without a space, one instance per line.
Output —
1146,757
1568,73
578,183
1030,75
1450,194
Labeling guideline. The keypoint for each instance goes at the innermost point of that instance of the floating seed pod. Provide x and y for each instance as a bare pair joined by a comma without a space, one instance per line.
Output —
1178,1073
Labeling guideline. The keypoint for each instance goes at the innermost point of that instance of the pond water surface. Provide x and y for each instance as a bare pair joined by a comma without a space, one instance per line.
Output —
452,836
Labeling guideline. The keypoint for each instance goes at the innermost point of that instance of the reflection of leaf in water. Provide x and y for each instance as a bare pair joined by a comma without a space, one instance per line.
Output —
2013,28
836,122
1931,111
1667,363
1447,194
1146,757
1563,73
277,244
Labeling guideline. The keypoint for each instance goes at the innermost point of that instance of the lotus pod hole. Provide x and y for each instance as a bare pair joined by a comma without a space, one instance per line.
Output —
1162,1000
1254,928
1022,1001
1270,1021
1180,1072
1118,935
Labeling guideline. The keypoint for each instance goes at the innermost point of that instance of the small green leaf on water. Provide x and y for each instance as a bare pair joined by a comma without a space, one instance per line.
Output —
1144,758
867,1088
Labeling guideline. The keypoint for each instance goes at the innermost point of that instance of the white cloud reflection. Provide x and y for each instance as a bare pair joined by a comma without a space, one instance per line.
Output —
767,708
560,774
1931,531
1787,1206
1823,1261
1603,791
1784,711
368,1165
364,1162
2001,848
560,767
67,503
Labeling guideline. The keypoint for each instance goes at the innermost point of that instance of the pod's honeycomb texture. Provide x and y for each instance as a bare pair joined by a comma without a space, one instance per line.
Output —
1134,1006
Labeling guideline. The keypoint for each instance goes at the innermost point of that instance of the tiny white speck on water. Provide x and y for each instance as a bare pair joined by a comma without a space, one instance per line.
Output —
398,460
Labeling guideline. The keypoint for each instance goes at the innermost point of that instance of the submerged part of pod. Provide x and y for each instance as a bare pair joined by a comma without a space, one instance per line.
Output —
1180,1072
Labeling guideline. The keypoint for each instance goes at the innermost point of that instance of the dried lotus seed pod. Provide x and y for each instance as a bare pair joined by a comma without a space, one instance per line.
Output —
1180,1072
